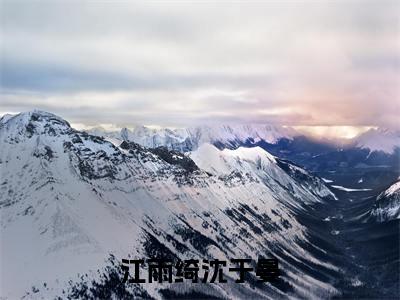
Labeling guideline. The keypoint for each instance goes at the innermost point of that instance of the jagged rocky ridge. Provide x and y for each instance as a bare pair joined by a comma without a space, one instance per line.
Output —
188,139
380,140
387,204
69,200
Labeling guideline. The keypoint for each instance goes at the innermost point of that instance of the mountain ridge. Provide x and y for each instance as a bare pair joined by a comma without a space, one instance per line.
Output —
231,136
73,197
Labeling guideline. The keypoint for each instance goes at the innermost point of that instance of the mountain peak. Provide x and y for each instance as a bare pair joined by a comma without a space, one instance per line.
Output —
36,115
379,139
34,122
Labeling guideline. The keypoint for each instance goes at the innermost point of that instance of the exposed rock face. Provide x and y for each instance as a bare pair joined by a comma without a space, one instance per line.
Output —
387,205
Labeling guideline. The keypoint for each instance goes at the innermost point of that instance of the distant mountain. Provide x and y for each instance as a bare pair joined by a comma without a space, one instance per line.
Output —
351,164
69,200
348,165
187,139
233,136
380,139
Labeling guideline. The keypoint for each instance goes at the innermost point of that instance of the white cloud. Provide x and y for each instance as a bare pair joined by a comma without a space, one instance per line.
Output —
302,63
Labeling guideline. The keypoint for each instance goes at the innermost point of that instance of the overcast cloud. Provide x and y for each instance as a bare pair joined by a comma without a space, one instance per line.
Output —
175,64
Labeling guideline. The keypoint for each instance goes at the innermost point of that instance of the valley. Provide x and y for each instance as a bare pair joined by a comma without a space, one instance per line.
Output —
367,251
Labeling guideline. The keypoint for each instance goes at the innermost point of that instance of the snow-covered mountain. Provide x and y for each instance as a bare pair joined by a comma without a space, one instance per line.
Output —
233,136
380,139
387,204
69,199
187,139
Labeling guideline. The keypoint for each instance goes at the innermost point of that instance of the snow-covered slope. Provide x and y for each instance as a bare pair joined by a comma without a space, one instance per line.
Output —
257,162
379,140
387,205
233,136
187,139
69,199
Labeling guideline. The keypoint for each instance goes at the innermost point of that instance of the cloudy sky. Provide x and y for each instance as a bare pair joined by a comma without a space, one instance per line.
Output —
174,64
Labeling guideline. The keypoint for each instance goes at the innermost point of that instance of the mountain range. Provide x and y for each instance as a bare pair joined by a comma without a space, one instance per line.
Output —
74,203
186,139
